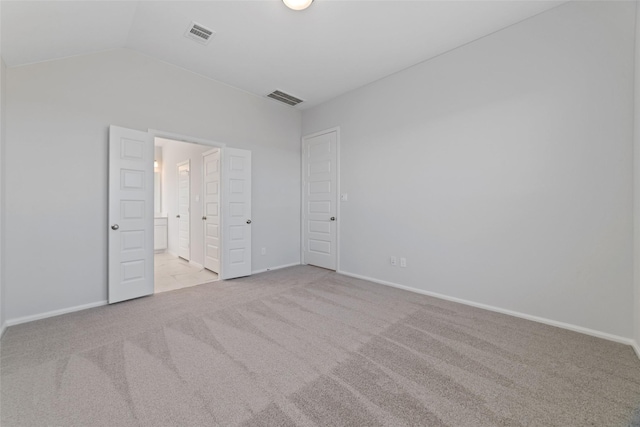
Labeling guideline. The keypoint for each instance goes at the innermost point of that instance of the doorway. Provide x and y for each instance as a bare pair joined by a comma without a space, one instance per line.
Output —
181,263
141,225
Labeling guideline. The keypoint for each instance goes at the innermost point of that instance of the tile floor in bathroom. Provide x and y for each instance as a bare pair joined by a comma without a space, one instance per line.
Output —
175,273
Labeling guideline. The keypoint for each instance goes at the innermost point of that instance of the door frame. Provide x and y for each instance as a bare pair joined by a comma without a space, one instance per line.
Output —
178,166
303,197
155,133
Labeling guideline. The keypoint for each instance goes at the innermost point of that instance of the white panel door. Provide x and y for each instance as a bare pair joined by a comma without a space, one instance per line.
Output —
319,199
184,215
211,217
236,214
130,214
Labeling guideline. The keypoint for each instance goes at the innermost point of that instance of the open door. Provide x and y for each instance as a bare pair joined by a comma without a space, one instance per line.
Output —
211,207
236,216
130,214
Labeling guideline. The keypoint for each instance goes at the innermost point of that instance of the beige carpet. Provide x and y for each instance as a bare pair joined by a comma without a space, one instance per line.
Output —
305,346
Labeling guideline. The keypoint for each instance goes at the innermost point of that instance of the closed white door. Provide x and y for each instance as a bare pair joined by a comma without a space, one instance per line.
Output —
211,217
130,214
319,200
184,204
236,214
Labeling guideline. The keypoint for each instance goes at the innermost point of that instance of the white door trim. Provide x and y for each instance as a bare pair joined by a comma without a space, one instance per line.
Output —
302,192
155,133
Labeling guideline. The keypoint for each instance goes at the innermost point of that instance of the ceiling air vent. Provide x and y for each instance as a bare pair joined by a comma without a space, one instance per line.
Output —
284,97
199,33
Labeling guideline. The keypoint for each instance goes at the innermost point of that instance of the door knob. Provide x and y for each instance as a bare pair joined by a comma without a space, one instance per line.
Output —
333,218
204,218
115,226
248,221
177,216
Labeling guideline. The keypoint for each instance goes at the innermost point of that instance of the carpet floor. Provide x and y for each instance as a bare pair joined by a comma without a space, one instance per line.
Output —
305,346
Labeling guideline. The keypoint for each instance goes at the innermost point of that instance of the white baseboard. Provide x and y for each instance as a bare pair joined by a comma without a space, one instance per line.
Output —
196,265
2,329
275,268
53,313
25,319
562,325
636,348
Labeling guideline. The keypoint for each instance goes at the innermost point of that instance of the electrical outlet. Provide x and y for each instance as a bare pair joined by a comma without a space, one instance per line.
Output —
263,251
403,262
394,261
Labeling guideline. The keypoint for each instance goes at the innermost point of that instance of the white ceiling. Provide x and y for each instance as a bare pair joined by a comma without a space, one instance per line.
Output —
317,54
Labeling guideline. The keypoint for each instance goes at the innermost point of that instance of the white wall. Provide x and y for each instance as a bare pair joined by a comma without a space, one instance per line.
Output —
3,128
175,152
56,197
636,189
501,170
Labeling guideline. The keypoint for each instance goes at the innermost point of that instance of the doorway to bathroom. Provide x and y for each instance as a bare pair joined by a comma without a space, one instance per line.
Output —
139,227
187,222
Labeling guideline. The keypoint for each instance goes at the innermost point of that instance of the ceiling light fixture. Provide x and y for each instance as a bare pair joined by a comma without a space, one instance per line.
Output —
297,4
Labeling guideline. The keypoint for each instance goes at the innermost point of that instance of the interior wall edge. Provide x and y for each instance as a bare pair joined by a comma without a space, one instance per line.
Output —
636,184
3,181
550,322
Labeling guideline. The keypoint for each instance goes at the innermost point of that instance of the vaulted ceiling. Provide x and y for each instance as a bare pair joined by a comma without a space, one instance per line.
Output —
259,46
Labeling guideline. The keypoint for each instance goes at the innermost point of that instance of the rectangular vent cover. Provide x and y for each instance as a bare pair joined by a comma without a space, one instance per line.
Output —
199,33
284,97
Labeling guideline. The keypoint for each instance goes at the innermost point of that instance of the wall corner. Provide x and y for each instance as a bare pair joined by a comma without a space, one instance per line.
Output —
636,188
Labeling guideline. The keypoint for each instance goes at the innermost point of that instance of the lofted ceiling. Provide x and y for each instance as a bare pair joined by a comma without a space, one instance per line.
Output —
260,46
